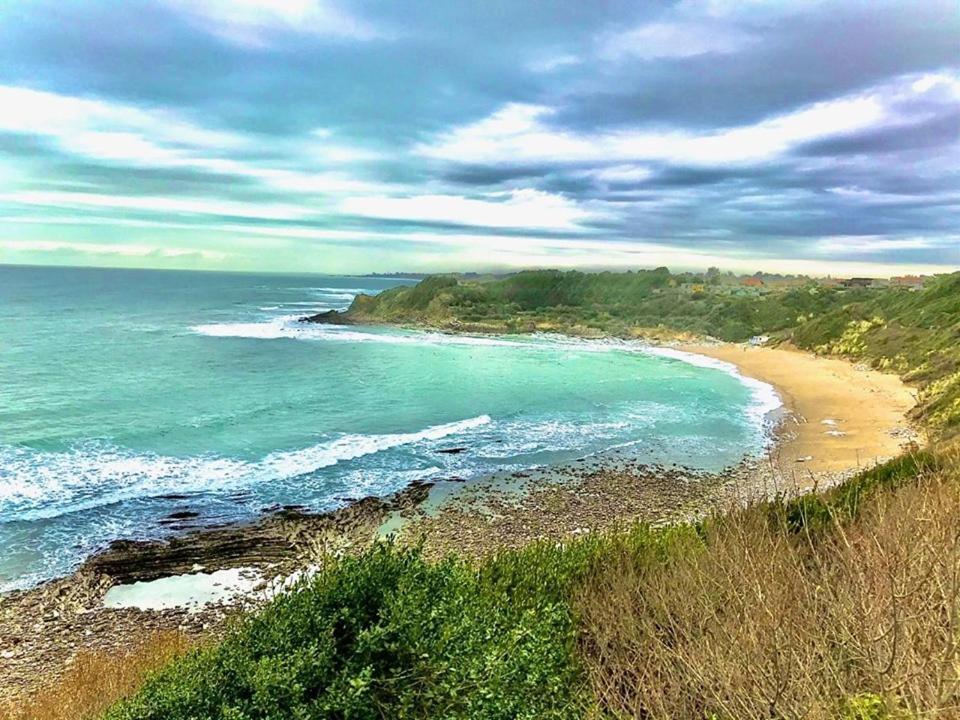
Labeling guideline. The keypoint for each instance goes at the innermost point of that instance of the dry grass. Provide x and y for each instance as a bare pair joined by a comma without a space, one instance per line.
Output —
754,621
97,679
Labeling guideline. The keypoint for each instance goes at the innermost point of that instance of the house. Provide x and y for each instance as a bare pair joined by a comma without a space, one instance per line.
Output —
753,282
912,282
757,340
857,282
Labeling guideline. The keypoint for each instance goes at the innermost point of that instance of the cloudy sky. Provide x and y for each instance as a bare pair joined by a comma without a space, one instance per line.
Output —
356,136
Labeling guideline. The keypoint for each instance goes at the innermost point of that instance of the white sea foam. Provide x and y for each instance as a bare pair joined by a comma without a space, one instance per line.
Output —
48,484
312,304
765,399
330,295
336,290
290,327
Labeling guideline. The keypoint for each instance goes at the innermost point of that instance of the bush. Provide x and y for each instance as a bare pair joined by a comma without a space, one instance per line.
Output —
388,635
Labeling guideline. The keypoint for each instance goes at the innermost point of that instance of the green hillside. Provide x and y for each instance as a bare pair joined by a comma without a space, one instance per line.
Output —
623,304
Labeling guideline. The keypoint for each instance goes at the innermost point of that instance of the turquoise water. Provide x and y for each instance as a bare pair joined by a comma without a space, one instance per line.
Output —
129,395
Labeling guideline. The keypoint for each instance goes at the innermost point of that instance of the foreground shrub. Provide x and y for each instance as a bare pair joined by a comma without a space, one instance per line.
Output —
389,635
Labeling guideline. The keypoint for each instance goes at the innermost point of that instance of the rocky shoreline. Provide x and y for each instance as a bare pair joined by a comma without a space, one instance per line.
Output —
43,628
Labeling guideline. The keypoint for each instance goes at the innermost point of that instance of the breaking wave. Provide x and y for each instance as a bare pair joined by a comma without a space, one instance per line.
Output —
39,484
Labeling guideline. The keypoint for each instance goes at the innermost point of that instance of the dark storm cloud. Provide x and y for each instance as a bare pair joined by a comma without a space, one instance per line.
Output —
486,175
935,132
436,63
810,53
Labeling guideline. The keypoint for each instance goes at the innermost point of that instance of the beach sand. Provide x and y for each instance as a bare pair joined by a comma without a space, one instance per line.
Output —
842,416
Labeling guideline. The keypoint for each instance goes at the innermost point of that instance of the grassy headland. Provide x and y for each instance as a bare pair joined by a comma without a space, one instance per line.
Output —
915,333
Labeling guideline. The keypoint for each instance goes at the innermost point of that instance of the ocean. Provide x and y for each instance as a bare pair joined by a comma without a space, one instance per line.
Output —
128,395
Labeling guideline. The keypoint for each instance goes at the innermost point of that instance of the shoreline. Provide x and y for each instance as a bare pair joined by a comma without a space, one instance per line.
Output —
839,415
46,626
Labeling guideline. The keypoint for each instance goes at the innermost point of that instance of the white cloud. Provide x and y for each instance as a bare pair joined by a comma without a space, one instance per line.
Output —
119,133
875,244
252,22
123,249
873,197
553,62
157,204
517,133
525,208
942,85
64,116
680,39
622,174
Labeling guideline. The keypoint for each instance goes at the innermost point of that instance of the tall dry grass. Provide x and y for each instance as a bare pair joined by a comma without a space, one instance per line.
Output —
756,620
97,679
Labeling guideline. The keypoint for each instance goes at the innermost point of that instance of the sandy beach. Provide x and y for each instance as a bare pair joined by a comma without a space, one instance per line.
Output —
842,415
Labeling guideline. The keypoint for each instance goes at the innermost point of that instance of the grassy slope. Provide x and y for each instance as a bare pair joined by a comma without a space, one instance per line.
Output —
840,604
916,334
612,303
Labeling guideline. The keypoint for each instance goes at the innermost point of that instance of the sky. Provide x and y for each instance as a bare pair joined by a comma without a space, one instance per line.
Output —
361,136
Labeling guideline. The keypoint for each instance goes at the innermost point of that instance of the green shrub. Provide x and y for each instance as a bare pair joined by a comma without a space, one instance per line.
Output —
387,634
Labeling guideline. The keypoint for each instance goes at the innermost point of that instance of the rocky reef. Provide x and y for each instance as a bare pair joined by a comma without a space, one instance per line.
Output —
329,317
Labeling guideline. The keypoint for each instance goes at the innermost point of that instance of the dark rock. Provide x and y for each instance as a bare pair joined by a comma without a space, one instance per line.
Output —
282,537
411,496
330,317
452,451
182,515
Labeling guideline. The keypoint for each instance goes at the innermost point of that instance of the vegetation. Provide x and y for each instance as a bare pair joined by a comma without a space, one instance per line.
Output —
836,605
622,304
388,634
916,334
96,679
913,333
767,615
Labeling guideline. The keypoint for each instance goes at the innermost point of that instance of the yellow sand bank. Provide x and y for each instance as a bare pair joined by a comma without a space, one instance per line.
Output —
842,415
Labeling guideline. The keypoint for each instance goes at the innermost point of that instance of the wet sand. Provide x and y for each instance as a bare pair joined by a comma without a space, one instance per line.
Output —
842,416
